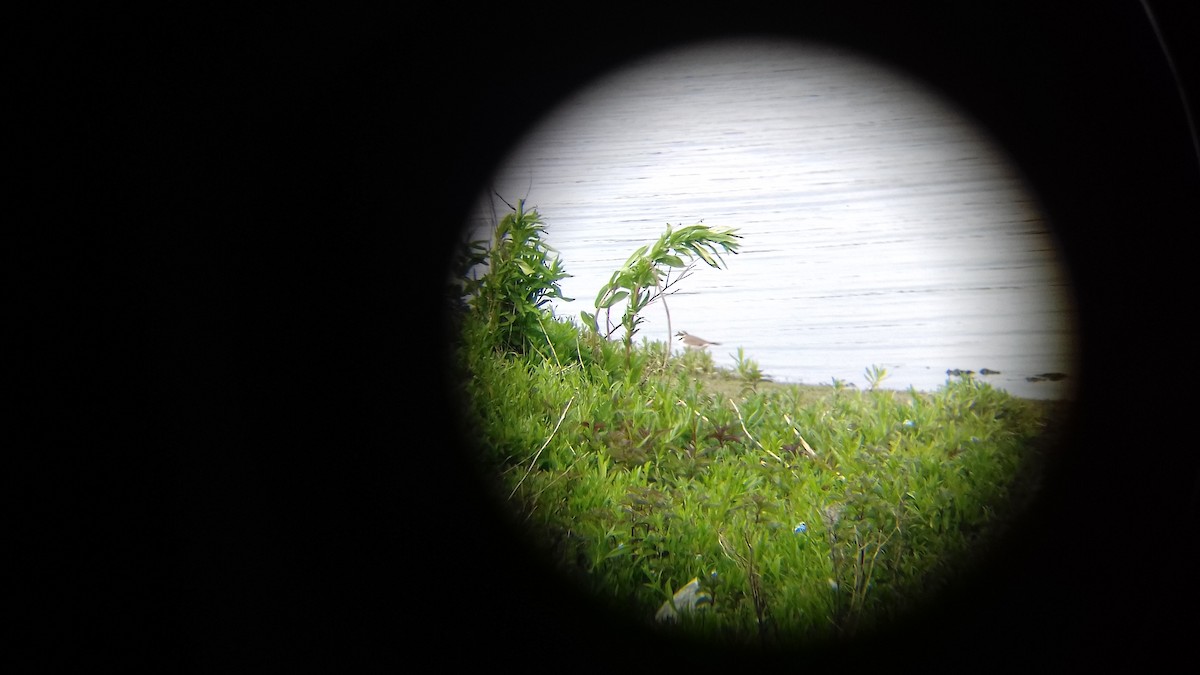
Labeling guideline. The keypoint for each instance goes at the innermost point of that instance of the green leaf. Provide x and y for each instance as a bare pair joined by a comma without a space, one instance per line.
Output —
589,320
604,290
613,299
636,254
706,257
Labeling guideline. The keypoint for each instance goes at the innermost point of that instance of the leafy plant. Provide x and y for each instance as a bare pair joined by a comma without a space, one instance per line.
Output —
875,376
747,368
698,361
645,277
512,296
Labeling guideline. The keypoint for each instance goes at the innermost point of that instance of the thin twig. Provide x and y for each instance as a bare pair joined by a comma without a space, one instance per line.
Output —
549,341
751,436
559,476
791,423
863,577
539,452
662,295
756,592
504,200
667,354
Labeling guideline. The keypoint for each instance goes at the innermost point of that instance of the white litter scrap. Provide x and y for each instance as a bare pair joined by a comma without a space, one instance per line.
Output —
686,599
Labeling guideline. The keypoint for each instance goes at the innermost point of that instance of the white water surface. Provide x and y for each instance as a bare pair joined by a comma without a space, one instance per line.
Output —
880,225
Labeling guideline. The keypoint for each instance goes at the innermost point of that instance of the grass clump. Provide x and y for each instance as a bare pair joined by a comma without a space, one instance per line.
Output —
806,512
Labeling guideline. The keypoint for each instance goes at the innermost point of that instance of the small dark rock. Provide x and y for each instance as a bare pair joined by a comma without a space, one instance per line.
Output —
1052,377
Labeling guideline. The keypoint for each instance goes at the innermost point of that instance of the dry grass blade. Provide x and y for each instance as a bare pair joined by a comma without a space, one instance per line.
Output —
750,436
537,454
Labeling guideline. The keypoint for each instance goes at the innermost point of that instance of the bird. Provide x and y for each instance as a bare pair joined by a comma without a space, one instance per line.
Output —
693,342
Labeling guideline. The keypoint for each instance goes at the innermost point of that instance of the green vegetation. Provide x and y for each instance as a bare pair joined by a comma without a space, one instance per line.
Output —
646,276
512,298
806,512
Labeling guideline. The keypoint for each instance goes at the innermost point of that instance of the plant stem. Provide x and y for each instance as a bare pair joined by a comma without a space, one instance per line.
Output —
537,454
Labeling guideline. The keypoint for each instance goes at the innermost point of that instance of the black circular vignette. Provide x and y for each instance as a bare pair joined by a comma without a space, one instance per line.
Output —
302,185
